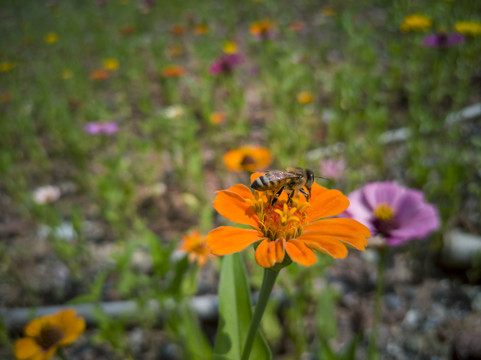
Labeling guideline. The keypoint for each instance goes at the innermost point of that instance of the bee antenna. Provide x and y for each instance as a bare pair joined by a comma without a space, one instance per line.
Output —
320,177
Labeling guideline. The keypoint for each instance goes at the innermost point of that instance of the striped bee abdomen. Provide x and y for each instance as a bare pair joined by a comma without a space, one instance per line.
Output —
269,181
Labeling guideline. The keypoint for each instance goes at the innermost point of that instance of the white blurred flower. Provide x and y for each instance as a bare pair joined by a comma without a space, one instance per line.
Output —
174,111
46,194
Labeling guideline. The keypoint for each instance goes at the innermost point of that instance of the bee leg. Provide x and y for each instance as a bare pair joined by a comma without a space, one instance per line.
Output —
276,196
305,194
291,195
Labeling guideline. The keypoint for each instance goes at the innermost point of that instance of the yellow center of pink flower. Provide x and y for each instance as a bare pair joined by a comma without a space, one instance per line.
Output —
384,212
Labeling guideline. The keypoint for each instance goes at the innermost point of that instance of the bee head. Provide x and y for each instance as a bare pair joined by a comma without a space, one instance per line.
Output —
310,180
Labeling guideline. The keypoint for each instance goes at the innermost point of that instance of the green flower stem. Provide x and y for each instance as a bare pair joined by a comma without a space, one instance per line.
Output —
381,266
268,281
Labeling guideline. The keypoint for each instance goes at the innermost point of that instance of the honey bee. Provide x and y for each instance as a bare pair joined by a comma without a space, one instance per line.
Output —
292,179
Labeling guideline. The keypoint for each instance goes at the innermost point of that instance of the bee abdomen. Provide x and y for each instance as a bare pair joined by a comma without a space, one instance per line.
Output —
262,183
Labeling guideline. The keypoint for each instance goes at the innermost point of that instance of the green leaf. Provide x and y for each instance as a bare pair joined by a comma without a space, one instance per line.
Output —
235,313
326,318
196,344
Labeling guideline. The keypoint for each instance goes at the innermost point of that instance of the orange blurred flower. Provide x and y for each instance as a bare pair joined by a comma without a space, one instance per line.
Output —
328,10
247,158
194,244
5,97
297,25
295,229
201,29
304,97
217,117
46,334
127,30
99,74
175,50
173,71
177,30
262,29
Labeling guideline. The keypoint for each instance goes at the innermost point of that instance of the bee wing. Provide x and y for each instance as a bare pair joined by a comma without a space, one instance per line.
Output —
283,175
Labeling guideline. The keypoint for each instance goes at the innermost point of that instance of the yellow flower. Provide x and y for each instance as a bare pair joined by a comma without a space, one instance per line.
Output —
471,28
194,244
51,38
67,74
229,47
247,158
6,66
304,97
287,231
416,22
111,64
45,334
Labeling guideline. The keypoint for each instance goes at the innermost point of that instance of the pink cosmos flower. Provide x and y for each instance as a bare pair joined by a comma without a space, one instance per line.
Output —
96,128
394,212
333,169
226,63
443,40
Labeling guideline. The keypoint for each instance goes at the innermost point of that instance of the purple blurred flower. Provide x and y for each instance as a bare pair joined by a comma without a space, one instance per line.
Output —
107,127
226,63
443,40
396,213
333,169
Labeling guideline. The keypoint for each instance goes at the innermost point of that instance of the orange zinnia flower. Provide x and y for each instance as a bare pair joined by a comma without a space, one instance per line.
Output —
194,244
177,30
217,117
99,74
173,71
262,29
297,228
45,334
201,29
247,158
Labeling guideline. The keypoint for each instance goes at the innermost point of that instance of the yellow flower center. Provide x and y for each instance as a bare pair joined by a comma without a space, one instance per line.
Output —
384,212
49,336
282,221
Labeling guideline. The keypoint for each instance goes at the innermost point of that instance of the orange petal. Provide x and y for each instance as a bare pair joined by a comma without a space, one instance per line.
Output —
349,231
241,190
227,239
300,253
256,175
270,252
235,208
35,326
326,203
26,348
72,325
325,244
